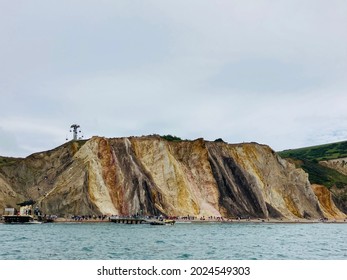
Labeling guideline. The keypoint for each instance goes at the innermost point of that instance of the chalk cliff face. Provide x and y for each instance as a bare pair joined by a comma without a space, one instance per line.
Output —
149,175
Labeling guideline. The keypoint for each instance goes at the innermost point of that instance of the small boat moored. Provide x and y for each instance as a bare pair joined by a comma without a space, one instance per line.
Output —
162,222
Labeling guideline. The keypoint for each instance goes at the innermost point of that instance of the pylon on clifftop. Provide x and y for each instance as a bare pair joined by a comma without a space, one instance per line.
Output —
75,129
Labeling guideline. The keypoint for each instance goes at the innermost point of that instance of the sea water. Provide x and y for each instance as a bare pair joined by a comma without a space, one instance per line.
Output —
194,241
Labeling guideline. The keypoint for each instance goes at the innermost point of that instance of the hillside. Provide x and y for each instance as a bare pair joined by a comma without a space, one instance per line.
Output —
153,175
326,165
318,153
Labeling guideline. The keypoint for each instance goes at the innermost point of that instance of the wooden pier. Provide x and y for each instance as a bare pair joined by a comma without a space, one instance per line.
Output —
120,220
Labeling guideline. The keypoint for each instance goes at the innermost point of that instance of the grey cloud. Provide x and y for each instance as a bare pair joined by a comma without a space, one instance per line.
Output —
266,71
264,76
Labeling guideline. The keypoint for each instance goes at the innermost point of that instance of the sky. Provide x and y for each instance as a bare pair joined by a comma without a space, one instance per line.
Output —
266,71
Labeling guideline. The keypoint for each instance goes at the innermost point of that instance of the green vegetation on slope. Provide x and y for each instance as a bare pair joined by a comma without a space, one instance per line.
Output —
319,174
308,159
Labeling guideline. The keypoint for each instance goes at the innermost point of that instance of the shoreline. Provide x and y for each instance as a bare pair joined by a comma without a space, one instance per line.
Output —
207,221
226,221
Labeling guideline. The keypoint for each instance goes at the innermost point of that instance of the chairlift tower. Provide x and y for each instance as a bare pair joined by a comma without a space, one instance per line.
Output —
75,131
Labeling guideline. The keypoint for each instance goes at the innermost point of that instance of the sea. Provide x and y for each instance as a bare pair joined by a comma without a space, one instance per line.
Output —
183,241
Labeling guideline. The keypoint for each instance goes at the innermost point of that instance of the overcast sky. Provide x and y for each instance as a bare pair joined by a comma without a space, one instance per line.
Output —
273,72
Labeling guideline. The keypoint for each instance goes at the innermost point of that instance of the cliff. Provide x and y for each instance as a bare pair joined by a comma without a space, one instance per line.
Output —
339,164
150,175
326,166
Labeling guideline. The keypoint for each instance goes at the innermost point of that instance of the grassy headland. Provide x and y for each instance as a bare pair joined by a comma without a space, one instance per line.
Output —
309,159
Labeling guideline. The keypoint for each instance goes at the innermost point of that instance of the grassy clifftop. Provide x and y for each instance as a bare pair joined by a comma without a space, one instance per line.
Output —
318,153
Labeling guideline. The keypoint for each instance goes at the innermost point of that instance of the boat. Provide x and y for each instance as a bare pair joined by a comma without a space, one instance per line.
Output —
162,222
34,222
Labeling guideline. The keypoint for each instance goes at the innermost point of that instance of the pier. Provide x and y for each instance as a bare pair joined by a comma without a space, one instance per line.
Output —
120,220
16,219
